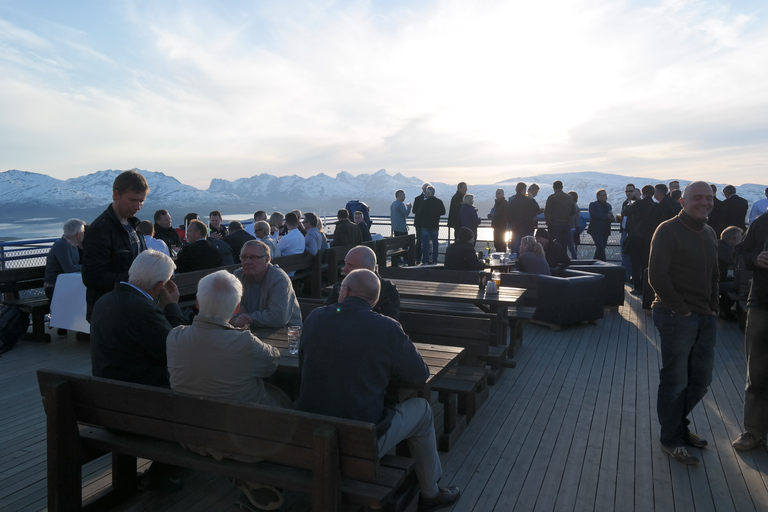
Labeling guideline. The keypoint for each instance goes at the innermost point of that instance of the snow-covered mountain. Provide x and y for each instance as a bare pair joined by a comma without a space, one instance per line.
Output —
23,192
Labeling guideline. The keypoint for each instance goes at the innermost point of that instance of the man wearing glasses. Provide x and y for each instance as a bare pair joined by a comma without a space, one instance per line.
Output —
268,297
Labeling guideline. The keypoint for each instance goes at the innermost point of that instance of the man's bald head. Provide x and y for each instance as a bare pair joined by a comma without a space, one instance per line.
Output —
359,257
361,283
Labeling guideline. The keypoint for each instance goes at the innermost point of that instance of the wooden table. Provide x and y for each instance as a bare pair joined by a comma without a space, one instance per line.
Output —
494,303
439,358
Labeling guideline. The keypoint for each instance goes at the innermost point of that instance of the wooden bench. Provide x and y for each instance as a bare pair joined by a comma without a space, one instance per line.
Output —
334,460
16,280
395,247
187,282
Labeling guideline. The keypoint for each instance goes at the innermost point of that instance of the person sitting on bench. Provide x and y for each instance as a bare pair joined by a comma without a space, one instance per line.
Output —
213,358
128,330
347,356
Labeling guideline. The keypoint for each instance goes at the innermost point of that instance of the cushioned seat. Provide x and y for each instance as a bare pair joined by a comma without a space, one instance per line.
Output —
614,278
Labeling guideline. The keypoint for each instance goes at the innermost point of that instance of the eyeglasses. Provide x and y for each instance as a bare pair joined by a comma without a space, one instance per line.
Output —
248,257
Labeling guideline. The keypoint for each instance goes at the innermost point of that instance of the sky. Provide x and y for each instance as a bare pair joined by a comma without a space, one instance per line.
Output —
444,90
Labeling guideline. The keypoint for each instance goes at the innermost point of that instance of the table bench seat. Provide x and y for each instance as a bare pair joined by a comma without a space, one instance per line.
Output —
29,280
334,460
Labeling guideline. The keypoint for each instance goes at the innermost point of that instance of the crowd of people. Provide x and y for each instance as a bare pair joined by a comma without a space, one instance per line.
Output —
687,240
140,334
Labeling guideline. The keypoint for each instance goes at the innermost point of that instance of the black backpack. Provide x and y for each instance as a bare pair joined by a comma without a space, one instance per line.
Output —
13,323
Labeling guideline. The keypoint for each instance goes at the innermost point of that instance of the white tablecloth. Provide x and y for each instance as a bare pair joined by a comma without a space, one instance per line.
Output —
68,303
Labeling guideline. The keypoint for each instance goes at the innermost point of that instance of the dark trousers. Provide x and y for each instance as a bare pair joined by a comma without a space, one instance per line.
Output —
417,225
499,239
756,392
600,243
687,357
560,233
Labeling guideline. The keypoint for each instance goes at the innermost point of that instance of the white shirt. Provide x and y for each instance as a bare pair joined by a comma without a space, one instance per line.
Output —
157,245
758,208
291,243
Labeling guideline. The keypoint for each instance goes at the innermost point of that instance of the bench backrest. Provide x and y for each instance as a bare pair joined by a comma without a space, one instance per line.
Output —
395,246
281,436
187,281
440,329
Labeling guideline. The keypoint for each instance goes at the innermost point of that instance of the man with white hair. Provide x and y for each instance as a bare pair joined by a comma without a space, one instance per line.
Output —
211,357
364,257
268,296
64,257
347,356
129,326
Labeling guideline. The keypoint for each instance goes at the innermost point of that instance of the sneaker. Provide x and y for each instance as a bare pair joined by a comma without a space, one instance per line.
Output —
261,497
680,454
695,440
445,497
747,441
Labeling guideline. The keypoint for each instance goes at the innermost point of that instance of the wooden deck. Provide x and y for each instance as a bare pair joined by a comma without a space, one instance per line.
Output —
573,427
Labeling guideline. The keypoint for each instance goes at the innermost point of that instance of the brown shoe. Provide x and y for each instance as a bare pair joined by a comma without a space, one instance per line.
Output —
445,497
695,440
747,441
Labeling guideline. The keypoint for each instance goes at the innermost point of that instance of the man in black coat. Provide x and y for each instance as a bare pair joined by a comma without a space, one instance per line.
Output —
111,241
200,254
521,215
388,303
237,237
461,254
499,222
128,331
454,221
735,208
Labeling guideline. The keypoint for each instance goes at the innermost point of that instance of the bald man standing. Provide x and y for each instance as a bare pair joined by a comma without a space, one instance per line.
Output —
347,356
683,273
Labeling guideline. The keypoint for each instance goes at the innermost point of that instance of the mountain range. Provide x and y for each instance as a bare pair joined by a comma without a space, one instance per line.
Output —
26,195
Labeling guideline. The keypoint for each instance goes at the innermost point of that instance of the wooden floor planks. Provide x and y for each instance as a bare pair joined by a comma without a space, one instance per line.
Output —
572,428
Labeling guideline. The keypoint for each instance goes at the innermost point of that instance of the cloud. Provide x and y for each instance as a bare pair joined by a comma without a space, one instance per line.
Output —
438,87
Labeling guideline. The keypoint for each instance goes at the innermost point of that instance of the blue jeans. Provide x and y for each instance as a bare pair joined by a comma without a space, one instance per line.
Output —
687,356
428,235
625,260
572,244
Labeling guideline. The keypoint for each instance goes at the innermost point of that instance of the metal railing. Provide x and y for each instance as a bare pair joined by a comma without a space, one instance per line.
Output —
27,253
24,253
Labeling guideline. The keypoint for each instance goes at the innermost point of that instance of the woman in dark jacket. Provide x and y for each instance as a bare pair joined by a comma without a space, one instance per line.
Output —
468,214
600,218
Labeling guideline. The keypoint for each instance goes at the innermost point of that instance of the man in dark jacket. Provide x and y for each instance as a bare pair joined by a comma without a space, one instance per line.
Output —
499,222
111,241
237,237
128,332
461,254
165,231
454,221
555,254
431,210
560,212
642,222
751,254
199,254
521,215
417,201
346,232
347,357
735,208
364,257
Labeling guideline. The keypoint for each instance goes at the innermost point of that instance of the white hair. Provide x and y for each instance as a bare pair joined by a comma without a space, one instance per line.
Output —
149,268
73,227
218,295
